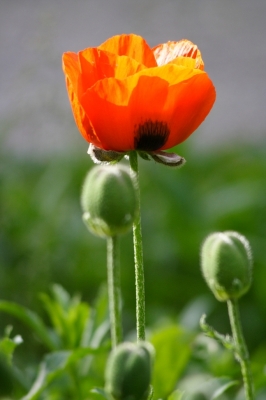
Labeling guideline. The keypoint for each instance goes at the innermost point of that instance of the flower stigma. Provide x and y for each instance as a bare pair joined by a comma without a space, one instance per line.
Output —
151,135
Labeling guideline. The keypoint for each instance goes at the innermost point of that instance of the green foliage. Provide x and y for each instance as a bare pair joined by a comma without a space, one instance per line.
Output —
176,395
8,345
43,240
65,313
31,319
185,367
78,333
7,348
172,349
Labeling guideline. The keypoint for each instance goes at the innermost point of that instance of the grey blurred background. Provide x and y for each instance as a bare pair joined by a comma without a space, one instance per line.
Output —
34,111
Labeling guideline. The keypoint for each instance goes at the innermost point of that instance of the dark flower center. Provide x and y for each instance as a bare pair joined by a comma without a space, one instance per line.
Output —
151,135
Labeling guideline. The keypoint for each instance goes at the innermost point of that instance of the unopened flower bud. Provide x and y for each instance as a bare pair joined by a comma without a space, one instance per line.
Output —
128,371
226,263
108,200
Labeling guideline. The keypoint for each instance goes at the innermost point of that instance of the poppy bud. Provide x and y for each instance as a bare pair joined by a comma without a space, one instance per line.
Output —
226,263
128,371
108,200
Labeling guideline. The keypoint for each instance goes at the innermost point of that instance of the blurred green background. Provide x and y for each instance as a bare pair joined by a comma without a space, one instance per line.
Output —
43,238
44,161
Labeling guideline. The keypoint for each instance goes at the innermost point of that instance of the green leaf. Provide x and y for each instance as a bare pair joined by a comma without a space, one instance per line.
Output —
176,395
32,320
8,345
61,296
225,340
172,349
54,365
69,316
99,324
101,306
223,389
101,393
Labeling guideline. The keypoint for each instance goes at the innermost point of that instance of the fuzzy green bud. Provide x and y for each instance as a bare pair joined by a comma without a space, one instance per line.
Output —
108,200
226,263
128,371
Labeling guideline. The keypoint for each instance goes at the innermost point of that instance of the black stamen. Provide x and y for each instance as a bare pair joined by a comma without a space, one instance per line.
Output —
151,135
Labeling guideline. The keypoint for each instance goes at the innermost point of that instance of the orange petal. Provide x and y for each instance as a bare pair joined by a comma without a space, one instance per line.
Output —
171,72
130,45
106,104
188,104
71,68
184,49
96,64
190,95
72,73
117,107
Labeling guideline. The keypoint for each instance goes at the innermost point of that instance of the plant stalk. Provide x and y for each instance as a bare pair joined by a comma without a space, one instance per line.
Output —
114,294
240,347
138,253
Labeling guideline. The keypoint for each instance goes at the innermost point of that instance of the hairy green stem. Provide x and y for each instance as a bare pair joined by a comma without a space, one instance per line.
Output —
240,347
138,253
114,295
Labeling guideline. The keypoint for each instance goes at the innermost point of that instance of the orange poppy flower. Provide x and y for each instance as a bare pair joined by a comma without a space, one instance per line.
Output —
128,96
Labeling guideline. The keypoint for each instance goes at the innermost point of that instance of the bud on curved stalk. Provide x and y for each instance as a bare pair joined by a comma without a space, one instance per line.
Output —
108,200
226,263
128,371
